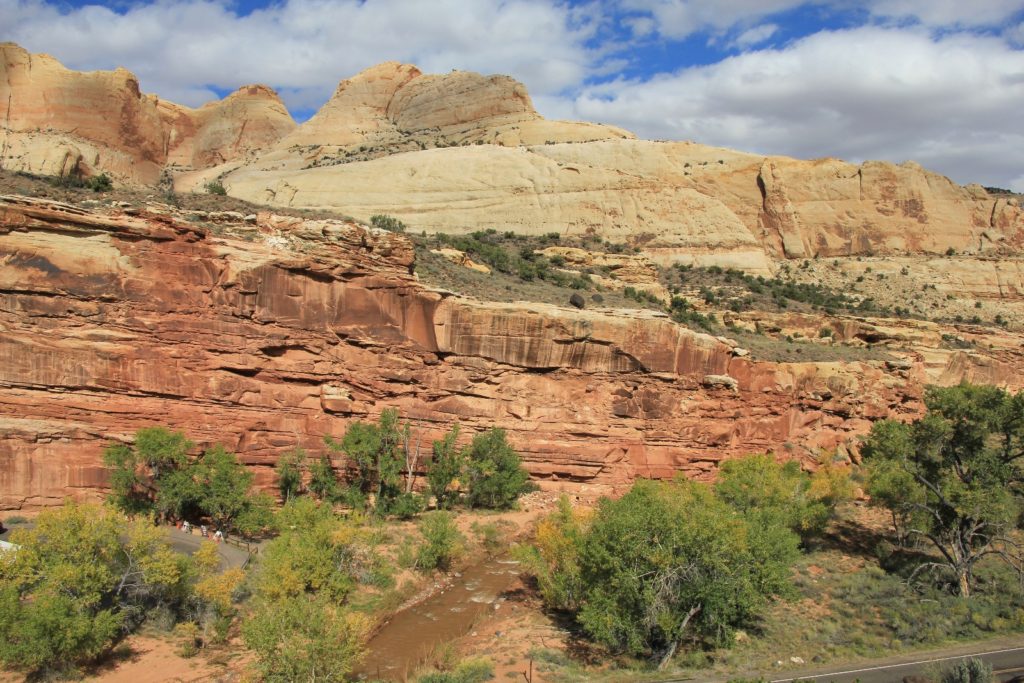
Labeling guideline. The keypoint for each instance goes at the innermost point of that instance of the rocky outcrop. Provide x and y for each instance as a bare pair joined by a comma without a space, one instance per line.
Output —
461,152
270,333
62,122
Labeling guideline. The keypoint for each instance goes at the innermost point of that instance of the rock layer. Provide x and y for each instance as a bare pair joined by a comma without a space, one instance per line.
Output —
270,335
461,152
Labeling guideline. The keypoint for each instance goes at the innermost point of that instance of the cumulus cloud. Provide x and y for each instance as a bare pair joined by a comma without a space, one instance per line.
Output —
303,47
949,12
939,82
951,103
682,18
678,19
755,36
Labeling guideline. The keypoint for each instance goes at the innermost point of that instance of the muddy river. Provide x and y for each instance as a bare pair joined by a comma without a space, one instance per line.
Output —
411,635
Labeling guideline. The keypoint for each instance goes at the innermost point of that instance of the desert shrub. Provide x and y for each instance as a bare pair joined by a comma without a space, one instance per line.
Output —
389,223
99,183
406,505
468,671
972,670
215,187
442,542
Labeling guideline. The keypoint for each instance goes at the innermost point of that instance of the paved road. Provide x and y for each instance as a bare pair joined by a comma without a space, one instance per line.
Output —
1006,655
186,544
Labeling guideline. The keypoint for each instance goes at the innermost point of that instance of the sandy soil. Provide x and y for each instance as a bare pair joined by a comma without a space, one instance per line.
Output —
144,659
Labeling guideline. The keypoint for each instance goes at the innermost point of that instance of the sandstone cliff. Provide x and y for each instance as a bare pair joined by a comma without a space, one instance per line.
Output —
56,121
269,333
461,152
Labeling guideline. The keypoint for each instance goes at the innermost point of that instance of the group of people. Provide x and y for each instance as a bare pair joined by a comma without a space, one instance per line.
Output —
188,528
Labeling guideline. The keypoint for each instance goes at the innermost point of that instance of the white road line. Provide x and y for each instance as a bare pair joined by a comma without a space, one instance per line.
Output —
897,666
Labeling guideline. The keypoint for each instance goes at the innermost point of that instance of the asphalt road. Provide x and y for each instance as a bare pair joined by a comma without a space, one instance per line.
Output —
186,544
1005,655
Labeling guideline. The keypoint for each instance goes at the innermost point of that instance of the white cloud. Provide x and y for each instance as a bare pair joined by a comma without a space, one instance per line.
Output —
949,12
755,36
953,104
930,88
304,47
677,19
682,18
1015,34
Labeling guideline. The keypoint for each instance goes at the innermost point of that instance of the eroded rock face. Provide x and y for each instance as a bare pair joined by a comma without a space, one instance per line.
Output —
461,152
63,122
275,332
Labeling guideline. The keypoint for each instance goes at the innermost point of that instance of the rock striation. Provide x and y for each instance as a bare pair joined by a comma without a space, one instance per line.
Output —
268,333
461,151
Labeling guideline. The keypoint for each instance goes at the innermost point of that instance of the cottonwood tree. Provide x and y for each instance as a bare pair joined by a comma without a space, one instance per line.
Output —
759,486
445,467
289,473
376,453
671,561
136,471
953,478
323,482
80,578
494,471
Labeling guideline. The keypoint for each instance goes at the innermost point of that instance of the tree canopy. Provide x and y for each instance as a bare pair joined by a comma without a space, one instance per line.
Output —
494,471
80,577
953,478
672,560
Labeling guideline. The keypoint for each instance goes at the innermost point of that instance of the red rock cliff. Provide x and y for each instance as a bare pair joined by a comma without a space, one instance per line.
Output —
270,334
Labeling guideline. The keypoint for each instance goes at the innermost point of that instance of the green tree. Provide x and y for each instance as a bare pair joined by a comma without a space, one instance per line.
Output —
178,493
953,477
136,471
80,576
323,483
223,484
377,454
304,638
669,561
289,473
257,516
495,474
446,467
554,557
316,552
758,485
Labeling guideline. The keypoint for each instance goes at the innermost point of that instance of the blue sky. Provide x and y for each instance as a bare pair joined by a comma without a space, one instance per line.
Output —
936,81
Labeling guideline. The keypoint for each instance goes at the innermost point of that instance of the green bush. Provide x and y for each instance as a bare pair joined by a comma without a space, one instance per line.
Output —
406,505
469,671
389,223
216,187
442,542
100,183
971,670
